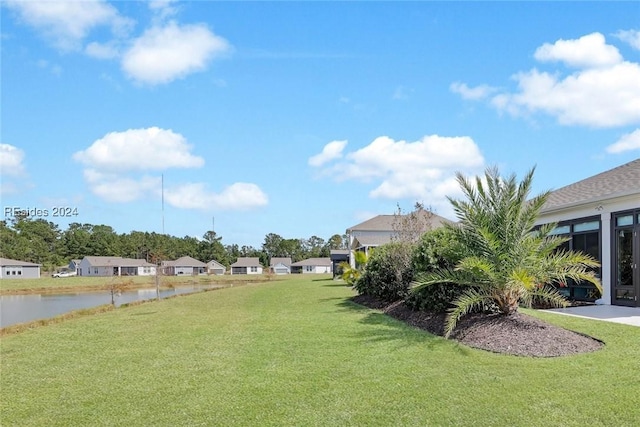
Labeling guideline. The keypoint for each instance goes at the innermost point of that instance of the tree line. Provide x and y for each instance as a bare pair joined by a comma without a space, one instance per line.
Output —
43,242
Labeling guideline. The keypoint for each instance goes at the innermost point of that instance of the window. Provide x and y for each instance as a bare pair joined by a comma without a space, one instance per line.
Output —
254,269
95,270
583,236
308,268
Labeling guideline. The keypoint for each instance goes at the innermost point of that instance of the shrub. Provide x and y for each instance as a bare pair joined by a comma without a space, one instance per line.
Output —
437,249
389,272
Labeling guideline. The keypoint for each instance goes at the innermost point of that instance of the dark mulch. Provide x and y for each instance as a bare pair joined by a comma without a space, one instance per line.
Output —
517,334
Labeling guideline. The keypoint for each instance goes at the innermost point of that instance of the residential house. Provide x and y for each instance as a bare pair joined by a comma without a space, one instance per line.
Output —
246,265
600,216
14,269
74,264
337,257
184,266
381,229
312,266
214,267
115,266
280,265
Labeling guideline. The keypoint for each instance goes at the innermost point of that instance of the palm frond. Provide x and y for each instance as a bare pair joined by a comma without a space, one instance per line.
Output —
547,294
470,299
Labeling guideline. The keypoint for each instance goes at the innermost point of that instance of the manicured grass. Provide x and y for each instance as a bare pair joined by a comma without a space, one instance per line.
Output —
84,283
295,353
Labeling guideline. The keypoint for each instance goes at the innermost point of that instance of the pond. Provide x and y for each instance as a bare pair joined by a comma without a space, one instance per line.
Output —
25,308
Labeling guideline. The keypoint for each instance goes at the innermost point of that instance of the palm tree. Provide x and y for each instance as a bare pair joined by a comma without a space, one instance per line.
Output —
352,274
512,263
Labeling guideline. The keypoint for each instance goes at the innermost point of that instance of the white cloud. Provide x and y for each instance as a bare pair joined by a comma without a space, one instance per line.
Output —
121,189
238,196
331,151
598,97
420,170
163,54
628,142
67,23
102,50
476,93
604,93
117,166
632,37
11,161
139,149
163,8
587,51
12,170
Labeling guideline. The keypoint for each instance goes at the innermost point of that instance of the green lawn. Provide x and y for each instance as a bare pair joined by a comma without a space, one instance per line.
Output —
296,353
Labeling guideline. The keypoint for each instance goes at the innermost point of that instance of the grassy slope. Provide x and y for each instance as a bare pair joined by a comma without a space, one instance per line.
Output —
295,352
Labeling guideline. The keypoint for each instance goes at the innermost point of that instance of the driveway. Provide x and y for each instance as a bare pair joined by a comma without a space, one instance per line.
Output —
608,313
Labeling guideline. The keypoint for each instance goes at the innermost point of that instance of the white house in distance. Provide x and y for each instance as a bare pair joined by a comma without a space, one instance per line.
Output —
246,265
14,269
280,265
312,266
115,266
381,229
601,216
184,266
214,267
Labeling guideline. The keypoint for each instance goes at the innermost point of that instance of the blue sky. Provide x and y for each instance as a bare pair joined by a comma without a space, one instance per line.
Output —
304,118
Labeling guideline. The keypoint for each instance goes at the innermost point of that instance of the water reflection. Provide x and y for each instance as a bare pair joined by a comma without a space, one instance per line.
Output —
25,308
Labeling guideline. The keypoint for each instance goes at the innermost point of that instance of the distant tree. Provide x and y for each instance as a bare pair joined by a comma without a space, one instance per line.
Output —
337,242
211,248
37,241
272,245
314,247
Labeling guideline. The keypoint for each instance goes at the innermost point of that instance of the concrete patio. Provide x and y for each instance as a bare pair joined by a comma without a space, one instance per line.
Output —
608,313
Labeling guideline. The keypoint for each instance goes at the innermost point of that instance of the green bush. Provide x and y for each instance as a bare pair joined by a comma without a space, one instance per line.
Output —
437,249
389,272
436,298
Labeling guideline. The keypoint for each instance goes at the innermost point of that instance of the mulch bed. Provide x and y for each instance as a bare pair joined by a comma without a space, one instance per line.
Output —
517,334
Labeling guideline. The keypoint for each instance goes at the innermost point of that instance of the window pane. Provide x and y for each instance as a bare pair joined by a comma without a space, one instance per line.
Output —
624,220
586,226
562,229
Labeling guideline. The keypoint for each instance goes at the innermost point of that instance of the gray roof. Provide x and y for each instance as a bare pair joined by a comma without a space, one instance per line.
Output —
377,240
247,262
386,223
280,260
6,262
185,261
617,182
313,262
214,263
340,252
